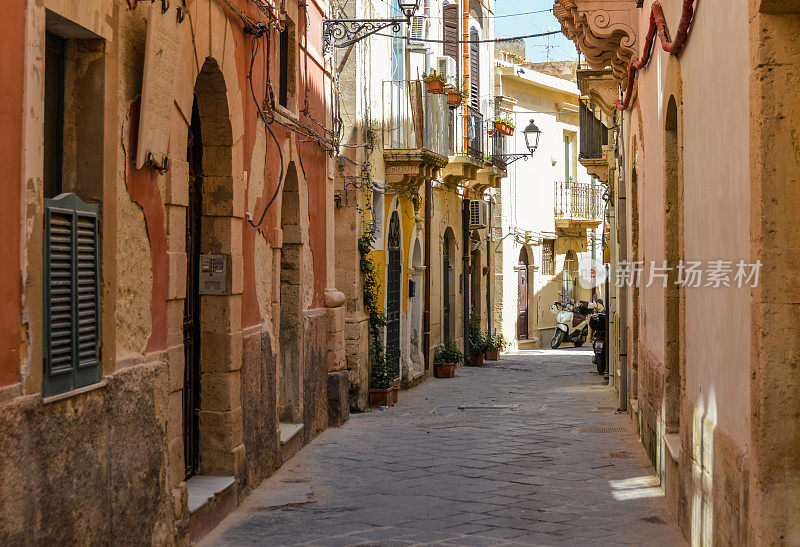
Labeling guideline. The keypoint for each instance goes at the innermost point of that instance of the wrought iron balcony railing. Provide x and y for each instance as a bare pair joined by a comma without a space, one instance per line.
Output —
594,135
578,202
499,149
414,119
470,134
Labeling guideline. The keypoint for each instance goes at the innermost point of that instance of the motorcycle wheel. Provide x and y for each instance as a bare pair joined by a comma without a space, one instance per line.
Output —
557,338
601,365
579,341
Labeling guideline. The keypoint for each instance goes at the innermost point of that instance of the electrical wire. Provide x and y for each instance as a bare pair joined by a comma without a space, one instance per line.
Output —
491,40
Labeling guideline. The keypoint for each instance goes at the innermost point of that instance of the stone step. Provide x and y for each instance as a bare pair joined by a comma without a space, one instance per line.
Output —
291,439
211,499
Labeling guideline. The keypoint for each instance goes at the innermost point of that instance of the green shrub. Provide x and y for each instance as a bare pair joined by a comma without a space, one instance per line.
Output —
477,342
447,353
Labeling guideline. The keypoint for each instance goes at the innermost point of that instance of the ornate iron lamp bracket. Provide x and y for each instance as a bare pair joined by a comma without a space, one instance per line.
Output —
511,158
343,32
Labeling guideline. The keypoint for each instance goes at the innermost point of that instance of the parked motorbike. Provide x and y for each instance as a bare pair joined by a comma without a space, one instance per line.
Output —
599,326
572,322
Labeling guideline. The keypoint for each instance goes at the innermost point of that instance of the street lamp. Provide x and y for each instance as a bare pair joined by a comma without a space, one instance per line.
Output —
532,134
343,32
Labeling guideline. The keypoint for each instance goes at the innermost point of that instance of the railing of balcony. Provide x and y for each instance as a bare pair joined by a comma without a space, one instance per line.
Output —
499,149
594,135
578,201
469,123
414,119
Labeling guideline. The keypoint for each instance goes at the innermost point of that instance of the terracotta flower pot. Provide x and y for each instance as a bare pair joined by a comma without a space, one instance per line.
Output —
383,397
435,86
453,99
445,370
476,359
493,355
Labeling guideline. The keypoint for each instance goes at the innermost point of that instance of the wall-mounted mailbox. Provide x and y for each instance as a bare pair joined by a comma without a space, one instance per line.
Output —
213,274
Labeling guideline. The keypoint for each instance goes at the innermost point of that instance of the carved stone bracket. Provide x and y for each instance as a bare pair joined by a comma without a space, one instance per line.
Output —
600,86
603,30
460,169
407,170
488,177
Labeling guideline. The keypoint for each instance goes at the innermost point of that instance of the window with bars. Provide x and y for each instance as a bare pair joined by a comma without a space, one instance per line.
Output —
71,295
548,257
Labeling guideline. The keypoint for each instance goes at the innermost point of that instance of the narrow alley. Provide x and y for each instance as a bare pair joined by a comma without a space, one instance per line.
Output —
540,457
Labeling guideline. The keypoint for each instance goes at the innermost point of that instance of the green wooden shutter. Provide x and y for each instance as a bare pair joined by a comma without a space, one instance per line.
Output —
71,294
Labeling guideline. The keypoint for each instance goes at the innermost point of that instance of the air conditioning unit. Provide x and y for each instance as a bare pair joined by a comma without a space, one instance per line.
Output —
446,66
478,214
418,32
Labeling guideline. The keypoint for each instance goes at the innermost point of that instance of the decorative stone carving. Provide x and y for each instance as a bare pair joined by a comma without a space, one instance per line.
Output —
460,169
408,170
603,30
600,86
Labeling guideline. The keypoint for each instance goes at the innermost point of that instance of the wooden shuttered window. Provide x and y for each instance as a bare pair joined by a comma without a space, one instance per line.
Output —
474,69
450,32
71,295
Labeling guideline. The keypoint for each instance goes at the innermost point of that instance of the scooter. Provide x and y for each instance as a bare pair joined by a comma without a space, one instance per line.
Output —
599,324
572,322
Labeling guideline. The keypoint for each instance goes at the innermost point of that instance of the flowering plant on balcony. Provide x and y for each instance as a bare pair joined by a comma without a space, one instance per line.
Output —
455,97
436,82
504,126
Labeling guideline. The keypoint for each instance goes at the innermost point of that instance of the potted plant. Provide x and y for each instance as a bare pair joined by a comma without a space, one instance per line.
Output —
477,342
435,83
495,343
445,357
455,97
381,390
504,126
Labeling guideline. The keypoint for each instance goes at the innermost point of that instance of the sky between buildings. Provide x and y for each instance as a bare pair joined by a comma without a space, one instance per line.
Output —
557,48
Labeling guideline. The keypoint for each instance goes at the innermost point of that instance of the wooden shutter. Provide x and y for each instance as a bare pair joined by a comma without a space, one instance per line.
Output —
474,69
71,294
450,32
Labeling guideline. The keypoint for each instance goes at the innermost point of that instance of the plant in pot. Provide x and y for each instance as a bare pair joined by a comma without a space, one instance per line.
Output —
504,126
445,357
435,83
382,392
495,343
477,342
455,97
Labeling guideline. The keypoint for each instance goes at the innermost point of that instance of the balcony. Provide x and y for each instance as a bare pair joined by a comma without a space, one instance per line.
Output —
578,205
468,145
415,133
594,141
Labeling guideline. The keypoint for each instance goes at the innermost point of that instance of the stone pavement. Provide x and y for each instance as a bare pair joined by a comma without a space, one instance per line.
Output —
516,452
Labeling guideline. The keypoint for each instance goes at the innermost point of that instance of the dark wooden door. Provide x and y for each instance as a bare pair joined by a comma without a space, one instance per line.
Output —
446,287
191,311
393,287
522,297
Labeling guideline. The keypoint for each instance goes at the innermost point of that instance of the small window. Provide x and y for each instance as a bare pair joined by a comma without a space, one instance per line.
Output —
548,254
286,66
54,68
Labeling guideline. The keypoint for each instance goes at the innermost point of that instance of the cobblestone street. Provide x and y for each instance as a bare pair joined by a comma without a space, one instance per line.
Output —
509,453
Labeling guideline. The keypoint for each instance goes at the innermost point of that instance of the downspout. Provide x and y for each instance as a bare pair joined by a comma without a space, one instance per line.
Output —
465,275
426,312
489,309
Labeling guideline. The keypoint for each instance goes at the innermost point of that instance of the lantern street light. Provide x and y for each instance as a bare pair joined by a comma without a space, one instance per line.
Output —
343,32
532,134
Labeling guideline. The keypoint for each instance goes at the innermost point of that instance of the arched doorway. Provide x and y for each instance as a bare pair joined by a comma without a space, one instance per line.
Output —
393,291
569,274
475,274
448,282
522,296
290,371
207,305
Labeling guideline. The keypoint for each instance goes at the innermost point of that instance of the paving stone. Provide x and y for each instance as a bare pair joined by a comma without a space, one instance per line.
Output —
425,472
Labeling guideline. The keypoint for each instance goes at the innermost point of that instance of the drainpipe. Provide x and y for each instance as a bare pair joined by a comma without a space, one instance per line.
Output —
489,309
426,312
465,275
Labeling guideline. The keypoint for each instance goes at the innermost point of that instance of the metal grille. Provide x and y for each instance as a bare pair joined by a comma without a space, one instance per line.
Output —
414,119
472,122
578,201
71,294
548,254
602,430
499,147
593,133
621,455
393,298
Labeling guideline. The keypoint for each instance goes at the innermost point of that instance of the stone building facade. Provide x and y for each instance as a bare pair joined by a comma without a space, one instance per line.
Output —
161,355
704,167
407,170
553,209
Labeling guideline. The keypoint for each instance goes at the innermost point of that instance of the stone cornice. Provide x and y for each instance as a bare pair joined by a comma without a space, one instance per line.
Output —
600,86
603,30
409,169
